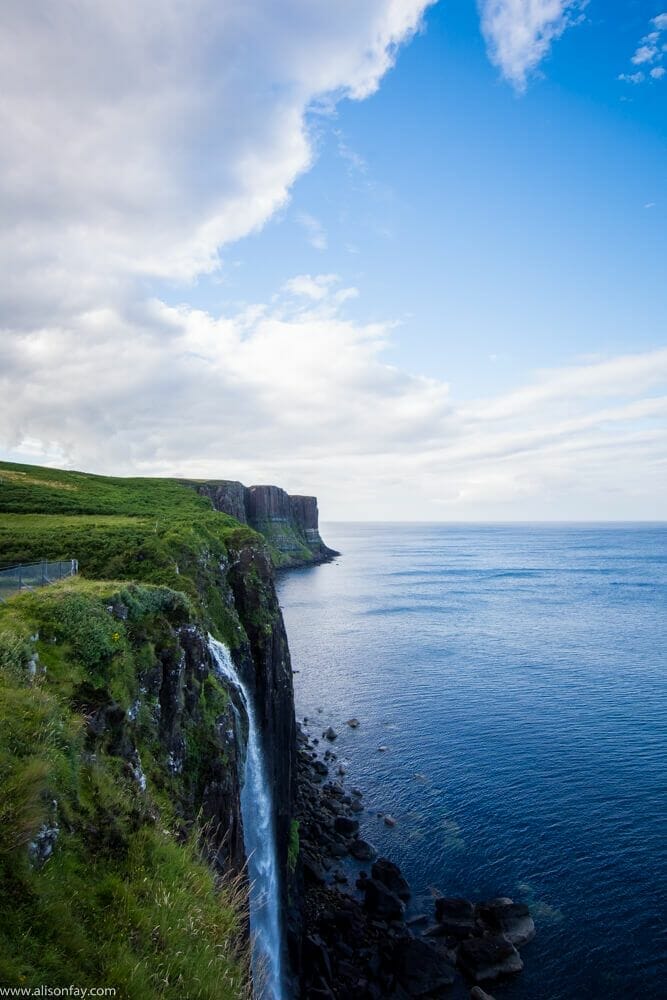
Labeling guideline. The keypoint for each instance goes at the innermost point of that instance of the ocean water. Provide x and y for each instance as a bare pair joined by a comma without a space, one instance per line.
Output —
516,675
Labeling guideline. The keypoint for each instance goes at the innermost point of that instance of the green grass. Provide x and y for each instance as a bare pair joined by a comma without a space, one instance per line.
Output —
150,530
32,489
125,900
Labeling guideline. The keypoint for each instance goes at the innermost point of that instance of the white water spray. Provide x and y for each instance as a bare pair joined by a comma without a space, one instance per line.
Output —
260,843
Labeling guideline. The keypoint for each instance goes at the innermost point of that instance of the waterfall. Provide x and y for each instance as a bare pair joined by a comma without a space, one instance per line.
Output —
260,842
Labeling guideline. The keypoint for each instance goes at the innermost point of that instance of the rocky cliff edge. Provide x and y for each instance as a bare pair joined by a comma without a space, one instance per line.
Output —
290,524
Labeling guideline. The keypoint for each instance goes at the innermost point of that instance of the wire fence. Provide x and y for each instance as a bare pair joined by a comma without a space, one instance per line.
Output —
27,577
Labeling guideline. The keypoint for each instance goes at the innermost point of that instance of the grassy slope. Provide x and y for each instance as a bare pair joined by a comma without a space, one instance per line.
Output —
123,901
149,530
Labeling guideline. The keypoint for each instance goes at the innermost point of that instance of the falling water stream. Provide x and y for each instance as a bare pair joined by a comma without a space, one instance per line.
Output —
260,842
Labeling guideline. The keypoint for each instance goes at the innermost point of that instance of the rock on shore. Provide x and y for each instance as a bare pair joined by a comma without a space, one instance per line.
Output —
360,944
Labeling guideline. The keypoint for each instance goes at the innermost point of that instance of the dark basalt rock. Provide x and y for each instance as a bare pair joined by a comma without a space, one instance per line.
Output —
290,523
421,969
381,902
488,958
503,916
371,951
456,916
362,850
346,825
477,993
312,872
316,954
389,874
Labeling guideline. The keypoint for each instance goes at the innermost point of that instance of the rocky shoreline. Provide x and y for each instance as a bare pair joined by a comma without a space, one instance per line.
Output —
357,941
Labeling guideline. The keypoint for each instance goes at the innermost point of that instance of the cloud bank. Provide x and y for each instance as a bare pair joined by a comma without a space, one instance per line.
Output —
297,392
139,138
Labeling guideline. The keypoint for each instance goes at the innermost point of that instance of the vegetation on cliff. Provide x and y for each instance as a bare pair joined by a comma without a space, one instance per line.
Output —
119,817
101,873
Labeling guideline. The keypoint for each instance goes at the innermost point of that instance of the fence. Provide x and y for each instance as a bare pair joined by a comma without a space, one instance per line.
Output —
27,577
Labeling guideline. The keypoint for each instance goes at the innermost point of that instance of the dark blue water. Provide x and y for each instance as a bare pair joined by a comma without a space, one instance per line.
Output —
517,676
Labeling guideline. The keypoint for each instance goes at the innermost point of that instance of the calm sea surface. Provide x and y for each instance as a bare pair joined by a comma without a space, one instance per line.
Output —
516,675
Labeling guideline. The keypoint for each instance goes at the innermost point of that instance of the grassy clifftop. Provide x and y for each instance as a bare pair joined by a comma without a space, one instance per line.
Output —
33,489
149,530
114,745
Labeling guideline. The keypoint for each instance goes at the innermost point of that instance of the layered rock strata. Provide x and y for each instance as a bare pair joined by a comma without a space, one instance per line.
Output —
290,524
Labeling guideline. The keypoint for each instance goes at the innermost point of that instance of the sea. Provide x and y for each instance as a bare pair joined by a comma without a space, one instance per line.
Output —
515,677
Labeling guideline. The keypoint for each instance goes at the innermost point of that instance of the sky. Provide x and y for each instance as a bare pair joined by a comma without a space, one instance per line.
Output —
406,255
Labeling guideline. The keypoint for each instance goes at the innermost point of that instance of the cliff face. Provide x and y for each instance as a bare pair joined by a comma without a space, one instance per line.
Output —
264,663
127,773
121,820
290,524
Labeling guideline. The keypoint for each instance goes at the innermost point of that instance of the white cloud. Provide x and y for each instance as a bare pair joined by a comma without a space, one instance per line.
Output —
520,33
141,135
296,392
649,50
632,77
644,54
314,288
314,229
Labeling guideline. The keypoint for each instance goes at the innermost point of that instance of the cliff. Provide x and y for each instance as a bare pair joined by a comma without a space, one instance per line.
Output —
121,843
290,524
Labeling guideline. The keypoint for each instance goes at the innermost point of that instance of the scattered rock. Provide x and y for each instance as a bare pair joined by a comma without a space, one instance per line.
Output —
346,825
390,875
489,957
503,916
434,931
421,969
41,848
362,850
381,902
316,954
456,916
312,872
353,723
367,950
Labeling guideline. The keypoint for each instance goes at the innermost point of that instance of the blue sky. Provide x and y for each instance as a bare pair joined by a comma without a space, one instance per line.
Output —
408,256
504,232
